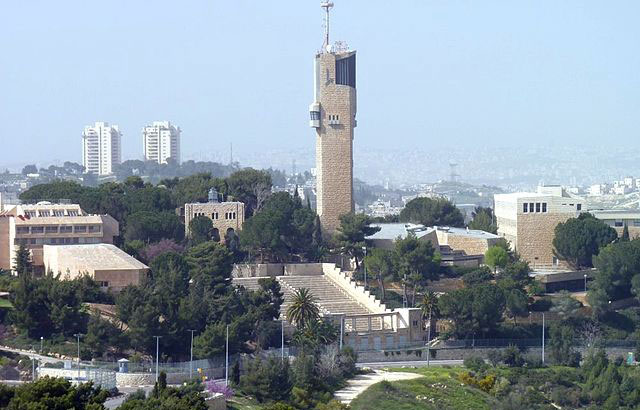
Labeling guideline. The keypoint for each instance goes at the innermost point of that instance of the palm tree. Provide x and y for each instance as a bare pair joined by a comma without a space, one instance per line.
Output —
303,308
429,305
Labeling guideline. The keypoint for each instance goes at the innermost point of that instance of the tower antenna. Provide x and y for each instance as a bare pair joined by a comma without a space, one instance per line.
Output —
327,6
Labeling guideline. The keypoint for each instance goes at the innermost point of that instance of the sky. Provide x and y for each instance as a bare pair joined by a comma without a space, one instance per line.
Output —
430,73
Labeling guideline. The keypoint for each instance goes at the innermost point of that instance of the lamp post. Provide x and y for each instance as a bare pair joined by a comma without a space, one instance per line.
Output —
41,341
33,366
429,339
364,248
157,354
226,361
585,283
77,335
191,360
543,337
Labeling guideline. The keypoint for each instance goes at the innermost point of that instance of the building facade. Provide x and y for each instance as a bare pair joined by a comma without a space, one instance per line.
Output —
161,141
225,216
527,220
34,226
333,115
101,149
619,218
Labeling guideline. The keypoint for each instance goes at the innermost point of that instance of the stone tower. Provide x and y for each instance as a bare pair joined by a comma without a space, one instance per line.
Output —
333,115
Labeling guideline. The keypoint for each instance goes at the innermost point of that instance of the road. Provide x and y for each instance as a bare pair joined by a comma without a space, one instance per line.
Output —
41,358
416,363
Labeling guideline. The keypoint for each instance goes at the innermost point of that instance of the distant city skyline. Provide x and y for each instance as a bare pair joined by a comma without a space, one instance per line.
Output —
430,74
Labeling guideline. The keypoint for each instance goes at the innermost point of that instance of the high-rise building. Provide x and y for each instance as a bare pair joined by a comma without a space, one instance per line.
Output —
161,141
101,148
333,115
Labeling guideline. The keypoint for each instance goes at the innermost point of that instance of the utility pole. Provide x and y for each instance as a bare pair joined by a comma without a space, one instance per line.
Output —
341,330
282,340
226,365
191,360
77,335
542,337
429,339
157,354
33,366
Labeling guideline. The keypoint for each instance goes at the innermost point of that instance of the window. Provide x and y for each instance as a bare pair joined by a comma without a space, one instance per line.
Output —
636,222
37,229
525,207
22,230
530,206
544,207
94,228
66,229
315,115
58,212
579,207
537,206
618,224
72,212
346,71
51,229
80,228
43,214
30,214
364,343
554,261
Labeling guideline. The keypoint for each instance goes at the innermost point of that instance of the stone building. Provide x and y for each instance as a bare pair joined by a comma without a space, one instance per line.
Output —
44,223
225,216
618,218
112,268
333,115
528,221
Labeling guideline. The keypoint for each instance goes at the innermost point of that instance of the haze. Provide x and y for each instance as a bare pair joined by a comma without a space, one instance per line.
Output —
430,74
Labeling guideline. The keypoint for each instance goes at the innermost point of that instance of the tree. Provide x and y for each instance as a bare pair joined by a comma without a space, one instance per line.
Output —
616,266
101,334
625,234
212,264
578,239
516,303
565,305
496,257
352,233
23,264
417,263
200,229
473,310
483,220
152,226
379,262
250,187
153,250
477,276
429,306
56,394
561,343
303,308
432,212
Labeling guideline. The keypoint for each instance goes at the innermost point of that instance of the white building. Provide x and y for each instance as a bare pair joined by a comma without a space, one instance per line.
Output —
161,141
101,149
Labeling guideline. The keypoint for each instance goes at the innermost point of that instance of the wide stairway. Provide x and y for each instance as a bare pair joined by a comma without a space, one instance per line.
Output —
330,297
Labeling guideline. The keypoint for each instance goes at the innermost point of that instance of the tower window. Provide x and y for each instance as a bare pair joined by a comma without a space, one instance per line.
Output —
315,115
346,71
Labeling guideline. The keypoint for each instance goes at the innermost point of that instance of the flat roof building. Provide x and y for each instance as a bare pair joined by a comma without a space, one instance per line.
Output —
101,150
44,223
161,141
618,218
112,268
528,221
225,216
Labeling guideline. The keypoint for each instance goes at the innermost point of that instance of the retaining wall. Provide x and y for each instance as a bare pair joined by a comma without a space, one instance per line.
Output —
364,297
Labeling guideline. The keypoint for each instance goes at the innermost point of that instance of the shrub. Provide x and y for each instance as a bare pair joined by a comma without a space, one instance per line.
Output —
475,363
214,387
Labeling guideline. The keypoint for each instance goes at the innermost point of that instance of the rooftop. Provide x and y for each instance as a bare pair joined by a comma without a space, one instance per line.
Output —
392,231
471,233
103,256
615,213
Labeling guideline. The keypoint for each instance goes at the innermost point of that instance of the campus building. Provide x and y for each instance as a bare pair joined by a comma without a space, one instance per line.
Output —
333,116
44,223
225,216
528,221
110,267
101,150
619,218
161,141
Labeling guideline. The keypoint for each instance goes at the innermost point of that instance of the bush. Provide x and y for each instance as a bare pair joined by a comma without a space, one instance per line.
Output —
512,357
475,363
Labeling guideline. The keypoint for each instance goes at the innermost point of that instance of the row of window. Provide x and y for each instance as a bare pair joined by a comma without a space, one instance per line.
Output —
58,229
216,216
55,212
529,207
56,241
619,223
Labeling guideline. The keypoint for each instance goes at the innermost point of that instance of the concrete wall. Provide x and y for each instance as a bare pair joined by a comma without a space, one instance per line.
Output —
5,248
133,379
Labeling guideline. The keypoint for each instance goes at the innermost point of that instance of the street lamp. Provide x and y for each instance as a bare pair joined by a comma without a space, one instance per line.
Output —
77,335
157,353
364,248
585,283
226,361
543,337
191,360
41,341
429,339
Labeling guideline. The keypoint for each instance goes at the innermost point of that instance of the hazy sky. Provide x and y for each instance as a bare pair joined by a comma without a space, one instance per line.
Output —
429,72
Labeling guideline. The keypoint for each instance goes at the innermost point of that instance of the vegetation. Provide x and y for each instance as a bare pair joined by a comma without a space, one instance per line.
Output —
578,239
483,220
430,212
350,238
52,394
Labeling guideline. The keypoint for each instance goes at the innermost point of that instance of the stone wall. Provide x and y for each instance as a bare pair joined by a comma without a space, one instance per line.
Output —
469,244
223,215
535,239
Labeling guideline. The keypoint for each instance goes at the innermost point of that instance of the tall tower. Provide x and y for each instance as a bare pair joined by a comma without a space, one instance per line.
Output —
101,148
161,141
333,115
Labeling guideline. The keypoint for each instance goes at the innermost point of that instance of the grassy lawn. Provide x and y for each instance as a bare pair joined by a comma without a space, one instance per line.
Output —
4,303
438,389
242,403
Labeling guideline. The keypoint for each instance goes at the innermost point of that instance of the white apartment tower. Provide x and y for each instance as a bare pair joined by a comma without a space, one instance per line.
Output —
161,141
101,148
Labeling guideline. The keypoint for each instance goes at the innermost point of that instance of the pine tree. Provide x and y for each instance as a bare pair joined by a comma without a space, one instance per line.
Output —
625,234
22,261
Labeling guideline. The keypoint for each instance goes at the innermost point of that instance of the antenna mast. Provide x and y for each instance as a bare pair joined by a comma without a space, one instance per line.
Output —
327,6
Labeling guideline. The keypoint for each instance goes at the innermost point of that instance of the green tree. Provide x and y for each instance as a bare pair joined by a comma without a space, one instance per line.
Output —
432,212
101,334
516,303
496,257
417,263
625,234
565,305
483,220
477,276
578,239
150,226
561,343
352,233
200,230
250,187
56,394
212,264
473,310
303,308
379,262
23,265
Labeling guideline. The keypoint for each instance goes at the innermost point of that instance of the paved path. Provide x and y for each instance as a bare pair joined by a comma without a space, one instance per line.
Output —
30,354
412,363
362,382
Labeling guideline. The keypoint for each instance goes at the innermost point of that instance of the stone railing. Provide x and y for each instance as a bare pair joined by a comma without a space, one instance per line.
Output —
358,293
